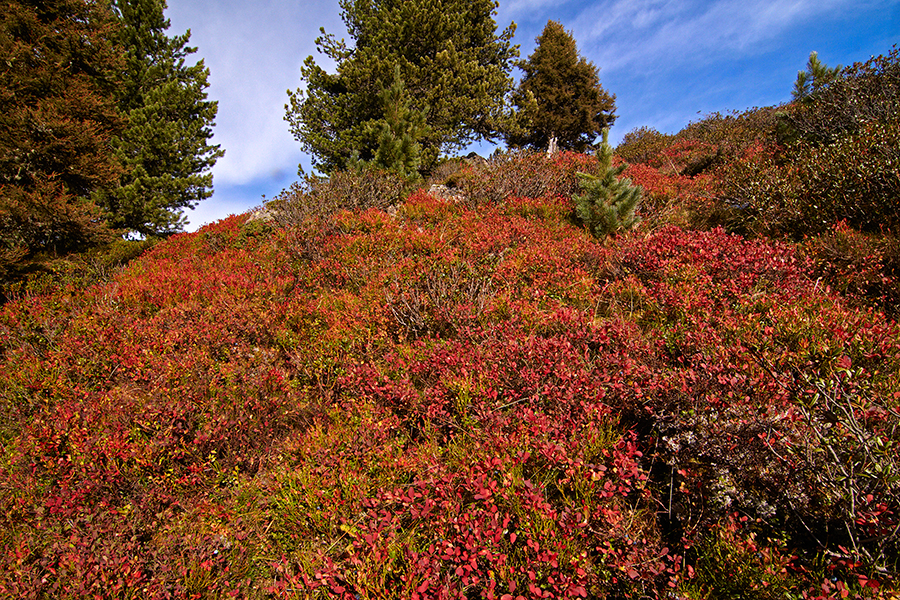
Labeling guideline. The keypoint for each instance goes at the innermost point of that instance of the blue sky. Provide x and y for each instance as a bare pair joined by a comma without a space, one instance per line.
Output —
668,62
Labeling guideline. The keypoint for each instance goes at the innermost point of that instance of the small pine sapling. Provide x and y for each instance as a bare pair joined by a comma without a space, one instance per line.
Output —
815,79
397,134
609,203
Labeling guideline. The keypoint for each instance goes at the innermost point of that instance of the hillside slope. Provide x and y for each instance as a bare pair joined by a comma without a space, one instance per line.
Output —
449,400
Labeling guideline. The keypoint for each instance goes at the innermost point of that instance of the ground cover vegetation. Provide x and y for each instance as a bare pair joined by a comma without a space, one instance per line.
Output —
105,131
363,390
668,371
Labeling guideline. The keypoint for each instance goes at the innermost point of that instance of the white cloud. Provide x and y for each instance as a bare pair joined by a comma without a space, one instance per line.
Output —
253,51
528,7
656,34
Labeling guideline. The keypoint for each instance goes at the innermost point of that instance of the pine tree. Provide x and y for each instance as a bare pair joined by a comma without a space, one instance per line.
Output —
164,150
569,104
57,114
398,133
812,81
609,203
450,58
809,89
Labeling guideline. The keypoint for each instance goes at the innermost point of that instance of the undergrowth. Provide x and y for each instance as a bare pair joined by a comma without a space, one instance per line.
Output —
460,398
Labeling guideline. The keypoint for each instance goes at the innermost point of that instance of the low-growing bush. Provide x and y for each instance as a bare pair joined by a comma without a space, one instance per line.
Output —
307,207
642,145
672,199
856,178
705,175
831,158
862,94
522,174
732,563
731,134
755,194
344,190
448,171
76,271
863,268
807,189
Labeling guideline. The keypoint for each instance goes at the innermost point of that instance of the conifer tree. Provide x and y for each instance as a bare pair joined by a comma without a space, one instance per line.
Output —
450,58
398,132
811,86
812,81
164,150
609,203
569,104
57,114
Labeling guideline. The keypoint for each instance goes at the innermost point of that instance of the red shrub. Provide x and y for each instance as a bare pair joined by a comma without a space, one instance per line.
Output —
448,401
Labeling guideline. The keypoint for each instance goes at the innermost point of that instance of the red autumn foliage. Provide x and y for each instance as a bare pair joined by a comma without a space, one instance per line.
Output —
456,400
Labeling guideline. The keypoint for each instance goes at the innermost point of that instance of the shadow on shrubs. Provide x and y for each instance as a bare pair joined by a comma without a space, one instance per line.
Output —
75,271
863,268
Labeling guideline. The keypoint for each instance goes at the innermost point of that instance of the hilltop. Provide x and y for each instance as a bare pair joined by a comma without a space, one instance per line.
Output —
377,392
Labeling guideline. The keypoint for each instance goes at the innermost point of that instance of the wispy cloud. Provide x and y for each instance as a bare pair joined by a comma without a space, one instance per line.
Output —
659,34
518,8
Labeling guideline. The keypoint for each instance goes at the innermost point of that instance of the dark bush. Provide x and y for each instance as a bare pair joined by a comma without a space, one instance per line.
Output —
522,174
856,178
836,158
861,267
643,144
808,188
307,206
862,94
730,135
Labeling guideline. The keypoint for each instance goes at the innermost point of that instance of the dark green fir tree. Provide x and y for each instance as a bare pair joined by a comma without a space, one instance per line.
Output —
815,79
398,133
165,149
451,58
560,95
609,203
57,114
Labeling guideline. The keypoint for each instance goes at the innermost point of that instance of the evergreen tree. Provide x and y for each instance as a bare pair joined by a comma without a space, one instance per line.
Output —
57,114
812,81
569,102
164,150
397,133
450,58
609,203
